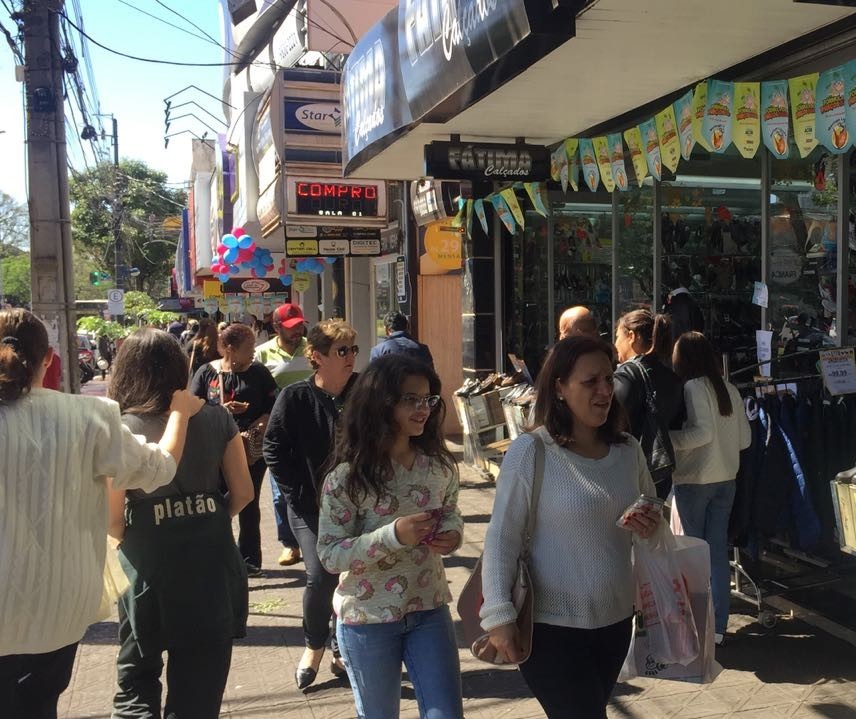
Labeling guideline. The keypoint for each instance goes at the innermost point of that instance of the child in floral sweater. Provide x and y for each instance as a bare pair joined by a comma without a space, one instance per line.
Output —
388,514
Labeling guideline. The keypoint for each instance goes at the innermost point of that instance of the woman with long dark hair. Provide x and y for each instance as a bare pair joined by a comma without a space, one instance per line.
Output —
389,512
643,342
298,444
580,560
188,593
56,452
247,389
708,457
202,348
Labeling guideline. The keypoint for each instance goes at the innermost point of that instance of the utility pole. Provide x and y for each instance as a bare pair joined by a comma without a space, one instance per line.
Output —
50,220
118,189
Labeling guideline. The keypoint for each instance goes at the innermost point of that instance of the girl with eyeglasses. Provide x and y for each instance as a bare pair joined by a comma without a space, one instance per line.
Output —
298,442
389,512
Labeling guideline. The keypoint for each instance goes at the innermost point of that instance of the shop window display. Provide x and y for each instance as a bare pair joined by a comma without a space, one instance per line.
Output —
711,245
635,246
582,254
803,253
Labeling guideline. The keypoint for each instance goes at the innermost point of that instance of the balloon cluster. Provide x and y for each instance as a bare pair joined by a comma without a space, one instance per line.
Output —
238,250
313,265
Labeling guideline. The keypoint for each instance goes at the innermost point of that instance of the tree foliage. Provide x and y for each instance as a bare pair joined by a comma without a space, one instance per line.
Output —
14,226
16,285
145,202
99,326
138,303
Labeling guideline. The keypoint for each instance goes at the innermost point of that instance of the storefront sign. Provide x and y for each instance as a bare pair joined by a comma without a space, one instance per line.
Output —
294,232
365,247
255,286
315,117
301,248
489,161
440,249
839,370
319,197
330,248
335,241
401,279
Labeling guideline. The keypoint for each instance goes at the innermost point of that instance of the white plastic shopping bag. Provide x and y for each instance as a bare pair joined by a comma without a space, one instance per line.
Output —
663,573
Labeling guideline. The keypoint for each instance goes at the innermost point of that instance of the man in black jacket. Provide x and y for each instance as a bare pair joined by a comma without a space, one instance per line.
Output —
399,341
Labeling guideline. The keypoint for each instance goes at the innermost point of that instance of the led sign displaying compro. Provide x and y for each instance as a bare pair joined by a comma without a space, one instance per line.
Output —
331,200
334,199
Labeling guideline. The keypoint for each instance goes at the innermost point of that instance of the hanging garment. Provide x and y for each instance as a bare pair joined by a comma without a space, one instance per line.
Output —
773,486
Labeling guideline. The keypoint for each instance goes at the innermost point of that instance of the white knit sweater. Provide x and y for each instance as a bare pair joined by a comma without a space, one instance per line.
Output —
55,451
580,561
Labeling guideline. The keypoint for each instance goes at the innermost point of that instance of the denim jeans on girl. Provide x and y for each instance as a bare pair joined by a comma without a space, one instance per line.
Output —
704,510
425,642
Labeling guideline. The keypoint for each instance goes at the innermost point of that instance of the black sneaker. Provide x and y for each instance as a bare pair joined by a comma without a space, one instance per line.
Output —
254,571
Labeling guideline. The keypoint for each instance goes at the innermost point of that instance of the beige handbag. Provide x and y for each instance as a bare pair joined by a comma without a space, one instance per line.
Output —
522,591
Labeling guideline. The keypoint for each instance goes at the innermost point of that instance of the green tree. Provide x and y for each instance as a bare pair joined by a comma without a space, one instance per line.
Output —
15,274
145,202
138,304
14,226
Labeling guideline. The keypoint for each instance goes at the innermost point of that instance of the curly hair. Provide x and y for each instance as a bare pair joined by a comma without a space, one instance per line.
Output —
371,403
556,416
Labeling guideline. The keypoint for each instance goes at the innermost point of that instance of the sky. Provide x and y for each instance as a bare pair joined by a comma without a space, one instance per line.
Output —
131,90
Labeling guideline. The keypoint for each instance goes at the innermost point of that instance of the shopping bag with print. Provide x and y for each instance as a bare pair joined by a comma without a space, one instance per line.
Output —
662,599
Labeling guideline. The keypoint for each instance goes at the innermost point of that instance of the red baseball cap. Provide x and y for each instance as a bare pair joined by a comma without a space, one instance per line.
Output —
288,316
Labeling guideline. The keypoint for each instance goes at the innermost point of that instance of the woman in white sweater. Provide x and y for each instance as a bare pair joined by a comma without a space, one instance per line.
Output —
56,451
707,457
580,560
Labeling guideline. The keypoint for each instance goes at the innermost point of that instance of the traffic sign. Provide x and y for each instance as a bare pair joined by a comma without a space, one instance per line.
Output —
116,302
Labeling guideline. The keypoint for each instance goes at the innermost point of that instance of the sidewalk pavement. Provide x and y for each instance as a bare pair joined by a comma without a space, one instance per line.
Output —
793,670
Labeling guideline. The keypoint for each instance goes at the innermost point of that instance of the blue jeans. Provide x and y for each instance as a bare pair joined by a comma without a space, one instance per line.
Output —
704,510
425,642
280,515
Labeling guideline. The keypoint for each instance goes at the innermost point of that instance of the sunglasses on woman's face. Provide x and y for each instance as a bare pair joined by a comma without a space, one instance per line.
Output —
414,402
343,351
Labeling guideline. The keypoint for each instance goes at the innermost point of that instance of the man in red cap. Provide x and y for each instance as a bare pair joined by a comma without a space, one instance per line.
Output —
284,357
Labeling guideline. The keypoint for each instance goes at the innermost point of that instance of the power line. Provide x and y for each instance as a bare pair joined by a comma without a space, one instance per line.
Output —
167,22
193,24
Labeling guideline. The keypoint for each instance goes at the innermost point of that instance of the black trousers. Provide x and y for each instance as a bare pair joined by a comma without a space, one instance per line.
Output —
319,622
30,684
249,520
572,672
195,679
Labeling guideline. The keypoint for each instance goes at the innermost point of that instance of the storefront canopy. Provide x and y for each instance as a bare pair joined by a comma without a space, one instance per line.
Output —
539,69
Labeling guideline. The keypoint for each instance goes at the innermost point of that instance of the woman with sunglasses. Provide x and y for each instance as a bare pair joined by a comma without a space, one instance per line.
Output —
298,443
389,512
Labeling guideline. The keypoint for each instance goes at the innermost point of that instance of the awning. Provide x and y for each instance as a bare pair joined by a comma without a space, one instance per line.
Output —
526,69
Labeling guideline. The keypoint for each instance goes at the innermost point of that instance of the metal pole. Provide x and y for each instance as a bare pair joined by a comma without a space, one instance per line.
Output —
50,225
657,250
842,268
766,190
118,189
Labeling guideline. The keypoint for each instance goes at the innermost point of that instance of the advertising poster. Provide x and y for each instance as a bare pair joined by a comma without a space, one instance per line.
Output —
699,105
651,145
572,151
803,101
667,131
774,117
684,115
504,213
535,191
478,206
831,111
634,143
591,174
850,90
440,249
557,160
718,115
510,197
301,282
604,162
746,129
616,159
469,218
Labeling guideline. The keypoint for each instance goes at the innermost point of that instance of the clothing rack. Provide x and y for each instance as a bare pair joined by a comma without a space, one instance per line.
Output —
793,569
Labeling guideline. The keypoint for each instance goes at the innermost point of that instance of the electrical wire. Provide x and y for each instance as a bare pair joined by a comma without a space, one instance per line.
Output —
205,37
194,25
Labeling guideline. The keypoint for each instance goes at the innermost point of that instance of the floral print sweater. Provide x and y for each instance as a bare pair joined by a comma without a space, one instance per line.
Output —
381,579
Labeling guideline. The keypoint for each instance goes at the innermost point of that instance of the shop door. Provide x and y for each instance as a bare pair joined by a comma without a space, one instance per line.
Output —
440,327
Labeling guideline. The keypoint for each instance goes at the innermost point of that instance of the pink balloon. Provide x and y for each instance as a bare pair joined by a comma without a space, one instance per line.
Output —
239,231
221,249
253,272
217,268
245,255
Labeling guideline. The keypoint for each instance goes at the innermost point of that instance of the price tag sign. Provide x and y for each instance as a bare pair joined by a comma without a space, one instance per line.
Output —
839,370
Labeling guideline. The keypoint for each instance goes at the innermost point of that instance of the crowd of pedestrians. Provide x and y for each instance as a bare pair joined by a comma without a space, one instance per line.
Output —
365,494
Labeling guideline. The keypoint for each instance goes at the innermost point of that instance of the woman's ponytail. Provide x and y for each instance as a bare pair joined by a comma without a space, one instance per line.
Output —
661,339
23,346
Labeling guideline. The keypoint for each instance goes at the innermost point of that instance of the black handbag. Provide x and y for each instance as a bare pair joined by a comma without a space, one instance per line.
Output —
655,440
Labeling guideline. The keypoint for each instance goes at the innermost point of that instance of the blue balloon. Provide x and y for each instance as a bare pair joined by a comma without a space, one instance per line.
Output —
234,269
231,255
224,278
230,240
256,263
245,265
262,272
287,280
329,260
245,241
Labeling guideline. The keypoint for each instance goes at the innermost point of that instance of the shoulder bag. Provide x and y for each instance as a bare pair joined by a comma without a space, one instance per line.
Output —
522,591
655,440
